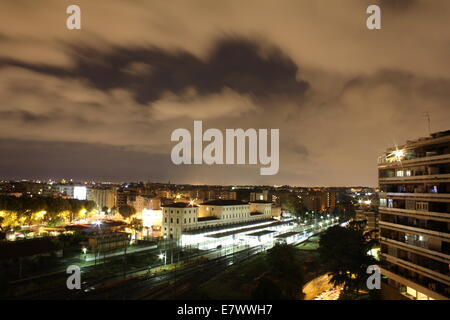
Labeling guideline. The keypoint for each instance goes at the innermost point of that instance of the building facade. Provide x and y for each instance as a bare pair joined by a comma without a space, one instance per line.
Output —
102,197
177,217
180,216
414,212
372,218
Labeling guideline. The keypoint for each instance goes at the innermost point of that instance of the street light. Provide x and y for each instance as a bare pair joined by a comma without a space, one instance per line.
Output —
84,250
163,256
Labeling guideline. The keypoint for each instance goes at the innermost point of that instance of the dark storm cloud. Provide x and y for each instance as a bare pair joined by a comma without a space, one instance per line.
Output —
406,83
243,65
24,116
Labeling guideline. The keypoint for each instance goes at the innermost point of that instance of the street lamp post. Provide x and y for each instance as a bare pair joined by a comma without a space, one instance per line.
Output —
84,250
163,256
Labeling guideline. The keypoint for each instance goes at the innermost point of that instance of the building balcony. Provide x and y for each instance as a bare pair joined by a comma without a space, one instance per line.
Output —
418,249
420,231
419,286
432,178
429,215
445,197
413,160
442,278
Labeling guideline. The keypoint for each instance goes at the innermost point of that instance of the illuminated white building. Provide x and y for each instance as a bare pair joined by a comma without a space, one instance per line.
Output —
151,218
177,217
180,217
71,191
263,233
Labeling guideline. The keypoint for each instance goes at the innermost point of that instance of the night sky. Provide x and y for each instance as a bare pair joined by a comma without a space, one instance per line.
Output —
101,102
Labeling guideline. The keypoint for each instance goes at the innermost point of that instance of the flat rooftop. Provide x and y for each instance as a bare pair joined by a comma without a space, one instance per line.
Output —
225,227
261,201
432,138
224,203
232,232
179,205
286,235
207,218
260,233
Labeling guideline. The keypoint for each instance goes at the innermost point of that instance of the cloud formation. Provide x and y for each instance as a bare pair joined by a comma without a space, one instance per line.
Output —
339,93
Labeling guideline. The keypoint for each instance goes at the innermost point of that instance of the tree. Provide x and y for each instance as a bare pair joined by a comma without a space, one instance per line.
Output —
345,208
293,204
126,211
344,252
359,225
54,222
285,270
136,225
266,289
89,205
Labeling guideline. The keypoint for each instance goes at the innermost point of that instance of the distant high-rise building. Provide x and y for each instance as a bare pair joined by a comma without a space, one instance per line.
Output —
102,197
371,216
415,217
78,192
259,196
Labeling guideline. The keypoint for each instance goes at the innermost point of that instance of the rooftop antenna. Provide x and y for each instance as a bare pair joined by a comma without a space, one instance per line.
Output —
427,115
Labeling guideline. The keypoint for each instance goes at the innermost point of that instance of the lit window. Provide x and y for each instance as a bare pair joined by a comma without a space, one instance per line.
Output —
390,203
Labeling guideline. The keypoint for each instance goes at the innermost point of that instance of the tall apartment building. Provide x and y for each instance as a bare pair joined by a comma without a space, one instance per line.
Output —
263,195
140,203
414,212
102,197
317,200
78,192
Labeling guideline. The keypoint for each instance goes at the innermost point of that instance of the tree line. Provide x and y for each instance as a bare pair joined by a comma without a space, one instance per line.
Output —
26,206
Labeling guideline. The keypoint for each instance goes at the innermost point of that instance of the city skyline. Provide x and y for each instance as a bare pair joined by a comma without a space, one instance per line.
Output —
216,158
100,103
